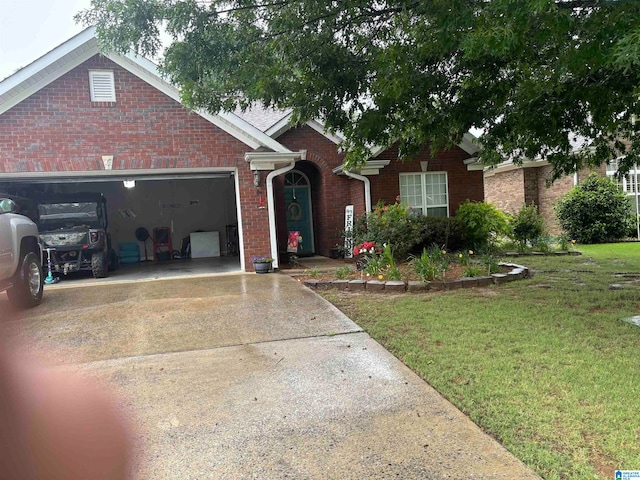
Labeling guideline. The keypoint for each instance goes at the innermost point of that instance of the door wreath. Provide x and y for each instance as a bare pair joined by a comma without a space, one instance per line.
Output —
295,211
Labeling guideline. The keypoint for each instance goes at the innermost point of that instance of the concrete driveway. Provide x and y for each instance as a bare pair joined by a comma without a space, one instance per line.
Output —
254,376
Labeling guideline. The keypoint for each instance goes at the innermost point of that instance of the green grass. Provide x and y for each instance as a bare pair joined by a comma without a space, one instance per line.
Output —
544,365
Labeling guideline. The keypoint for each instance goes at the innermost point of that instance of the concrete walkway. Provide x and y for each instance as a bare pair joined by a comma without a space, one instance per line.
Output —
256,377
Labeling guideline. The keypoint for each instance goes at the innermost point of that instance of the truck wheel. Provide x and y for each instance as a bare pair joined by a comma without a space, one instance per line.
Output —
27,283
99,265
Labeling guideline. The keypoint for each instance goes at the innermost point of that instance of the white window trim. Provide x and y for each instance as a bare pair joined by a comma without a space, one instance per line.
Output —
624,182
107,91
423,176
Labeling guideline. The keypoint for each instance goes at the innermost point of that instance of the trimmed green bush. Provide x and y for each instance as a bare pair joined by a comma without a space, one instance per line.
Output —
482,221
447,233
527,225
396,225
595,211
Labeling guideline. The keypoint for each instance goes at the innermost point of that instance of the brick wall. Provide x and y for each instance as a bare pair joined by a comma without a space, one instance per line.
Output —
508,190
505,189
60,129
531,186
331,193
463,184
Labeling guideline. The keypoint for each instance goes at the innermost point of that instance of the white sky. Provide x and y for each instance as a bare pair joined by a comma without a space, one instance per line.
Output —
31,28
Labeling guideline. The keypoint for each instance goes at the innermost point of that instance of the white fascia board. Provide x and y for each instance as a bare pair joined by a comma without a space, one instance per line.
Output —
468,144
473,164
272,160
58,53
372,167
320,128
280,127
80,176
230,123
248,129
32,78
64,58
508,165
284,124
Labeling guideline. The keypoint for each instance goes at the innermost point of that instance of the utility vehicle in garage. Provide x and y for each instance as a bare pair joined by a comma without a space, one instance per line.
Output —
74,229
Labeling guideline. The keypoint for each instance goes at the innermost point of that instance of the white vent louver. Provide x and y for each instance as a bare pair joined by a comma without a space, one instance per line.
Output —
102,86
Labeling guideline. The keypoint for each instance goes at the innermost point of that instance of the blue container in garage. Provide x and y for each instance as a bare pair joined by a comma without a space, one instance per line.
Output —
129,252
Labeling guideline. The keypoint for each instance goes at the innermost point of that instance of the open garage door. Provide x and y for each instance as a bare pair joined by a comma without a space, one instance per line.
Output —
191,219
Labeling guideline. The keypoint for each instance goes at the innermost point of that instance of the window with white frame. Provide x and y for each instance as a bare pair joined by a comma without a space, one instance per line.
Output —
102,86
626,182
426,192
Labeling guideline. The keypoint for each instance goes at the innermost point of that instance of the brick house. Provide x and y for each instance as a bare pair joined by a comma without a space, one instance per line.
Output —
77,120
510,186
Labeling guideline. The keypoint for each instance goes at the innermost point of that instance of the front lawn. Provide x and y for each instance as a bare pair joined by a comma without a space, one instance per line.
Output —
545,365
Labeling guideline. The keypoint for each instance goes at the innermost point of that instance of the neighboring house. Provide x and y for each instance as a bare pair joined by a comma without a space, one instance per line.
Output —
76,120
510,186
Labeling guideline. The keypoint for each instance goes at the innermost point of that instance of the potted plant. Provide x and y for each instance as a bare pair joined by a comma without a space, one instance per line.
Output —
262,264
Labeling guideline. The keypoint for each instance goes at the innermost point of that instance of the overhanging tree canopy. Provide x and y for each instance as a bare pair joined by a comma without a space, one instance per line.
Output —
540,77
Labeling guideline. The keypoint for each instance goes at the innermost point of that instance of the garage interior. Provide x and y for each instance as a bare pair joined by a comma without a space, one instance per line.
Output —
198,211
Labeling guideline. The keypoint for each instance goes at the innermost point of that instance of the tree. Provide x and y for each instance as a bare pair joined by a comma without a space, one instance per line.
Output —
595,211
538,76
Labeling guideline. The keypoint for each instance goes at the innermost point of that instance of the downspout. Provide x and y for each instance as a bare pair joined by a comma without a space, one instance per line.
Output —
367,188
272,211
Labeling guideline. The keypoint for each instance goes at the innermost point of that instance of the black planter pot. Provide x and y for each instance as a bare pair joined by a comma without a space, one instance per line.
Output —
262,267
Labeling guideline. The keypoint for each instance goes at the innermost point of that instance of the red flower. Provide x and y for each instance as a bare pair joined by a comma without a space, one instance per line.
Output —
364,247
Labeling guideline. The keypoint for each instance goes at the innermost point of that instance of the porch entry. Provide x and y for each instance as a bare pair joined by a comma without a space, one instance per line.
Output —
297,195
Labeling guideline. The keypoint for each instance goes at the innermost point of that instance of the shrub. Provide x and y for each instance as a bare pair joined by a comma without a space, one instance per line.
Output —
595,211
527,225
394,224
447,233
482,221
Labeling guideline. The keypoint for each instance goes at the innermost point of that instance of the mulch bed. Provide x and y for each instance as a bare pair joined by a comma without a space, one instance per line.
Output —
453,272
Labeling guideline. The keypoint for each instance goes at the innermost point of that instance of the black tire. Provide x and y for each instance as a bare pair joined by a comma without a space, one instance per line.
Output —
28,283
99,265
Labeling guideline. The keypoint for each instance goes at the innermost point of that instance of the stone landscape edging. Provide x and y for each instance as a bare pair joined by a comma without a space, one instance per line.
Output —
516,272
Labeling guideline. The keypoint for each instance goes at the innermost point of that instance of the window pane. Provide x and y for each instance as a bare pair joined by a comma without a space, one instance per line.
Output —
437,211
411,190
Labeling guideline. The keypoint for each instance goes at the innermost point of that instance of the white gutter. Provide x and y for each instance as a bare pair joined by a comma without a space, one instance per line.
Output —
367,188
272,210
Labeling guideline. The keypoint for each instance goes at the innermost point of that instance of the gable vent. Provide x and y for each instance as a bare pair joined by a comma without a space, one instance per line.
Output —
102,86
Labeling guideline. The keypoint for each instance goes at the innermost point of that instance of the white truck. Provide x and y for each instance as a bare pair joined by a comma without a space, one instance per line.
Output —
20,257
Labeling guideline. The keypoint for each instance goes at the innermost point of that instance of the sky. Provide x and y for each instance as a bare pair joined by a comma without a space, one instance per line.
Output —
31,28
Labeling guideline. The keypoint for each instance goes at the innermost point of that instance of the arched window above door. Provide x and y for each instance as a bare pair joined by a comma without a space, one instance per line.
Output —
295,179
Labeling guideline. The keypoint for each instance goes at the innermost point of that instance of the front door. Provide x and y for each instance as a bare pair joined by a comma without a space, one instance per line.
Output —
297,195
